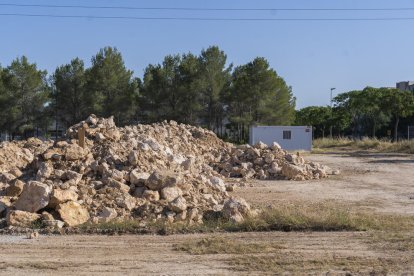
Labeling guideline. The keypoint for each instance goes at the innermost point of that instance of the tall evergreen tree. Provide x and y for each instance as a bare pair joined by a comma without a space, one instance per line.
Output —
69,92
25,94
214,82
111,88
259,96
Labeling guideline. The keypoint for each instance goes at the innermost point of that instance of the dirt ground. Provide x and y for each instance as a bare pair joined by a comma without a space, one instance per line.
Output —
383,182
370,181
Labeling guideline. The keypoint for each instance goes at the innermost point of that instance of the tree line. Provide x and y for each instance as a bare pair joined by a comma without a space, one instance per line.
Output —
202,90
371,112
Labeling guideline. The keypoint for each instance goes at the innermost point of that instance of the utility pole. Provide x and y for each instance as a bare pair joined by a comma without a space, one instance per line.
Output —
330,127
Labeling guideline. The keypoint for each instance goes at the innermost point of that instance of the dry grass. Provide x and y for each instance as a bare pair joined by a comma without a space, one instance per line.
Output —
404,146
271,258
298,265
33,265
392,240
326,216
225,246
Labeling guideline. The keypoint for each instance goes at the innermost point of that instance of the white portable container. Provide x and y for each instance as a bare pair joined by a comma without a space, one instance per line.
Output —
288,137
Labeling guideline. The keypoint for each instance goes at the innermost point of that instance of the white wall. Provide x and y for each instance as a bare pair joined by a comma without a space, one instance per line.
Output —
301,136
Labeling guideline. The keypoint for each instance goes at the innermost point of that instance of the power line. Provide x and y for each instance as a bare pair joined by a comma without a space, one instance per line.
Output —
204,9
206,18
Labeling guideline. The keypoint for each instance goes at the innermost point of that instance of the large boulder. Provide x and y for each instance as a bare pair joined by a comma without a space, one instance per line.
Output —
151,195
34,197
236,209
74,152
293,172
59,196
171,193
126,201
133,157
73,176
72,213
45,170
178,205
295,159
107,214
117,185
218,183
21,218
138,178
161,179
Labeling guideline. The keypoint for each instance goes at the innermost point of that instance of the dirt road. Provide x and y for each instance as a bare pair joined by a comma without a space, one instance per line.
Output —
377,182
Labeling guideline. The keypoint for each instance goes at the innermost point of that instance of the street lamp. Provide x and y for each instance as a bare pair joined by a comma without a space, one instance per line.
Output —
330,127
332,89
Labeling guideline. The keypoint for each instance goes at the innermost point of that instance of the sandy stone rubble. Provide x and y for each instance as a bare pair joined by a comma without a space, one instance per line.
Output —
165,171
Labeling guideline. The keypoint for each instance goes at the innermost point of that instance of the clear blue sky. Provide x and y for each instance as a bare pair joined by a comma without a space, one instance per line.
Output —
311,56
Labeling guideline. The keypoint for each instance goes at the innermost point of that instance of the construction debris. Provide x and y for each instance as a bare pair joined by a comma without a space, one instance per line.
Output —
168,171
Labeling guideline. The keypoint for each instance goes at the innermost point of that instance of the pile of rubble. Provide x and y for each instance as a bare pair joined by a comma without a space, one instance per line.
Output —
263,162
168,171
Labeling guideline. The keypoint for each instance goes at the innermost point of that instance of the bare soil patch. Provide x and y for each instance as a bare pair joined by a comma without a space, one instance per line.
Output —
380,182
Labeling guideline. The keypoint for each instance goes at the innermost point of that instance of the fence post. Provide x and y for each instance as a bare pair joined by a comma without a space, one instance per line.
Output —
81,136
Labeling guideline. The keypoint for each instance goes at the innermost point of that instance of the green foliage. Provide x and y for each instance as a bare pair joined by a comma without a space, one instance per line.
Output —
23,96
214,80
397,104
193,89
316,116
170,90
259,96
69,93
111,88
360,112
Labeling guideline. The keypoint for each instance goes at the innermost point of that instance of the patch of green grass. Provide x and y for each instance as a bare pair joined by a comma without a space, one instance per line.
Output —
224,246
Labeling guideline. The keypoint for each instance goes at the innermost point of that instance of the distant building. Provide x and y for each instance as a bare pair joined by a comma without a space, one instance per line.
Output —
406,85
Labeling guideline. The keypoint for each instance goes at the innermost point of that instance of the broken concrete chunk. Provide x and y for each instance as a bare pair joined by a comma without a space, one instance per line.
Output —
107,214
138,178
236,209
74,152
59,196
72,213
171,193
21,218
151,195
160,179
34,197
178,205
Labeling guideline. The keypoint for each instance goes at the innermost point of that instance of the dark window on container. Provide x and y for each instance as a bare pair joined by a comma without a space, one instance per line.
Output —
287,135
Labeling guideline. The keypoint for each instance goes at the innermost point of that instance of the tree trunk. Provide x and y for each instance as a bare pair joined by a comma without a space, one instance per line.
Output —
397,120
374,127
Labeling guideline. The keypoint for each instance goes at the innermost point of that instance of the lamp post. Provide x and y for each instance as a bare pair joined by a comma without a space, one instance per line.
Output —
330,127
